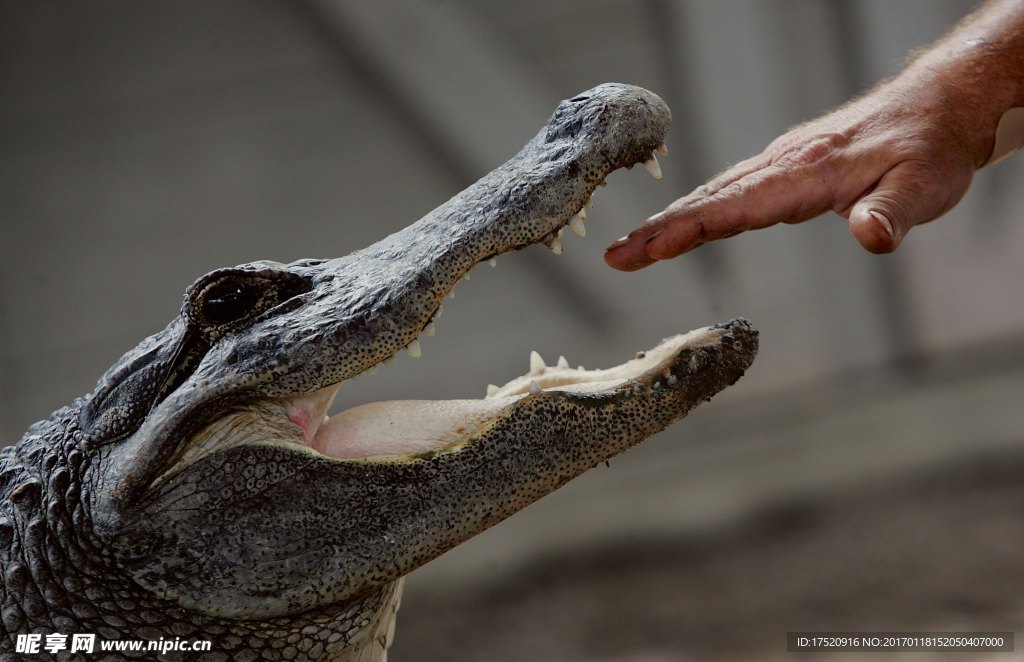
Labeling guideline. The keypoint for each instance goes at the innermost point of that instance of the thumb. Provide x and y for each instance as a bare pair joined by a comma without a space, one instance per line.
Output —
905,196
873,226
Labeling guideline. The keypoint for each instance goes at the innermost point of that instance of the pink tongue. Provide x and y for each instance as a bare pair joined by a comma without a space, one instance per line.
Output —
402,427
307,411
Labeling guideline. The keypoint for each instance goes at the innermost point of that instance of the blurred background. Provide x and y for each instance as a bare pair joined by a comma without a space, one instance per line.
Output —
865,474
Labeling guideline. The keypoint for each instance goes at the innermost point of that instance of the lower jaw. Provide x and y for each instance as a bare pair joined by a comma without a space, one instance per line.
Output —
402,428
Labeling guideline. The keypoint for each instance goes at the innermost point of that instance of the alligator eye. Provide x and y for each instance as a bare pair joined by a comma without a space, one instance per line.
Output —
229,301
226,297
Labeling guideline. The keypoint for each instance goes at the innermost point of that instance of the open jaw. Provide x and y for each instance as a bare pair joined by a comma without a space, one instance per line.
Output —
362,309
403,430
400,430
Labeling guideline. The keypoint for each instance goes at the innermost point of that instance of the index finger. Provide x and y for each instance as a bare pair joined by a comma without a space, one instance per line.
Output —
775,193
628,254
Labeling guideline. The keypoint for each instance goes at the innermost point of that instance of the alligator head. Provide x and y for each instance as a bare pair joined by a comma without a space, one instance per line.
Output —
218,483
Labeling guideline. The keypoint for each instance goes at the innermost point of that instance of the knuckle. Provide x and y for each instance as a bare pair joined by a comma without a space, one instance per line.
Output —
736,189
704,190
814,150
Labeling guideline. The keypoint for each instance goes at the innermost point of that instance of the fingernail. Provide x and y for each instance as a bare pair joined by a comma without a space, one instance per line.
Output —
654,235
618,242
886,223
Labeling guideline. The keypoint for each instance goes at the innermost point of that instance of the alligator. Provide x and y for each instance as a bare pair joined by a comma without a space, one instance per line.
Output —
202,491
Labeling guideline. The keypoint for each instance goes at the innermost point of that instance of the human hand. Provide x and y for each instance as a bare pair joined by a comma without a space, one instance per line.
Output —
900,156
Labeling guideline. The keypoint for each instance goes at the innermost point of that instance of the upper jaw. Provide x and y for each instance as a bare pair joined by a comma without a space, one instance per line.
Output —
365,307
389,293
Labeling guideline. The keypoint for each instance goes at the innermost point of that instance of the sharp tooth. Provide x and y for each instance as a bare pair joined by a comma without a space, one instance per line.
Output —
374,369
465,276
493,262
562,362
414,349
535,387
582,213
451,294
581,368
429,330
556,246
672,380
656,386
662,149
652,166
577,225
536,362
589,204
440,309
491,390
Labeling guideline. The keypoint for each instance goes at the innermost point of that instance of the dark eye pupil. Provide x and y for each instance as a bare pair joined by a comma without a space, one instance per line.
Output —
229,302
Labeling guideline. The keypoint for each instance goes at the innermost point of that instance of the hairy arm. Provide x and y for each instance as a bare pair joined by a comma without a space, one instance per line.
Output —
901,155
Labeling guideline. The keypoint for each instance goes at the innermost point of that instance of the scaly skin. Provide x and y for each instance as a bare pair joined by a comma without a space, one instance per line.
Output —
178,500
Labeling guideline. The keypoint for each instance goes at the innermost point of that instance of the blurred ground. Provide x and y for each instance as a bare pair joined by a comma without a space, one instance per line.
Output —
936,551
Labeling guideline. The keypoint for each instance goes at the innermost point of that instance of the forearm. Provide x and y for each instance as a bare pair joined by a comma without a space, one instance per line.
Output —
978,69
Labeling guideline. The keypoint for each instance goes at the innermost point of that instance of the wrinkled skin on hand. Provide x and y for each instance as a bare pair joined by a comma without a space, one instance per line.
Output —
902,155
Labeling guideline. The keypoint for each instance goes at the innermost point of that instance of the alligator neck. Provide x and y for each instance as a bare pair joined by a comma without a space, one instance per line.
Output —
55,579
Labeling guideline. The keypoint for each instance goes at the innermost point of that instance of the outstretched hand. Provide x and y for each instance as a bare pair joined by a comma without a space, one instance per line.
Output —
900,156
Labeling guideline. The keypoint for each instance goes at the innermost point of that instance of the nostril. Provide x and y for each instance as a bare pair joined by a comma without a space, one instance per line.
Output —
580,98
